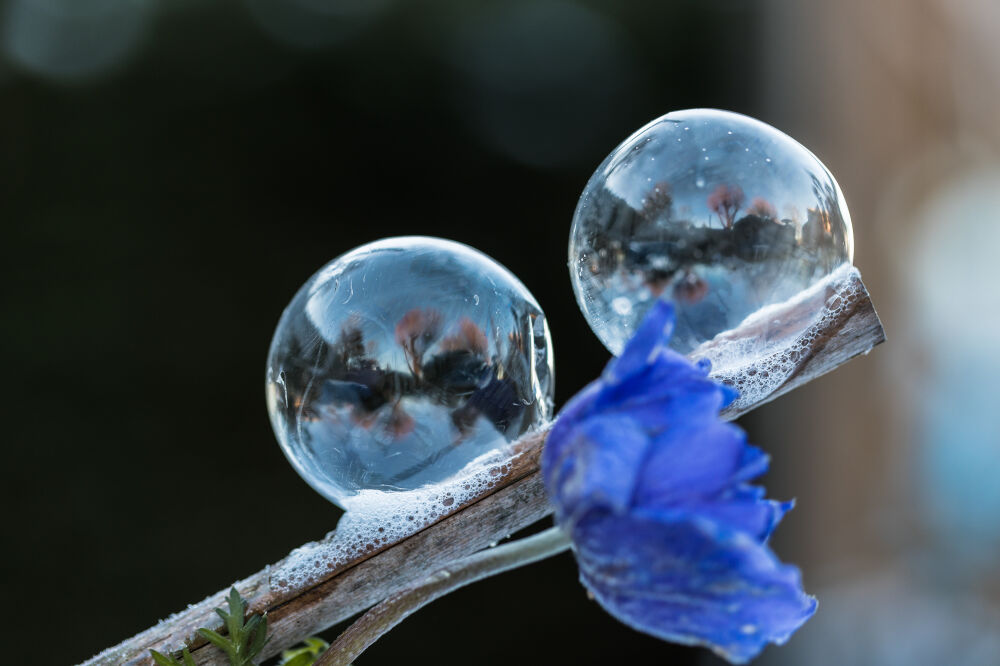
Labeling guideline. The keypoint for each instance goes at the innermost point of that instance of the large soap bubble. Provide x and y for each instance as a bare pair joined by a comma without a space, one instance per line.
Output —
403,363
714,211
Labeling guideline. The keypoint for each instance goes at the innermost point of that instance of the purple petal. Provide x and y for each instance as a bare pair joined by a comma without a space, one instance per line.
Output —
653,333
685,581
596,474
742,509
691,461
653,488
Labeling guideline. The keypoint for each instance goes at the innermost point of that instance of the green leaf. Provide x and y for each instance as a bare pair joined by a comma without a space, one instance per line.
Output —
248,632
317,645
164,660
245,640
305,655
220,642
236,611
260,638
301,659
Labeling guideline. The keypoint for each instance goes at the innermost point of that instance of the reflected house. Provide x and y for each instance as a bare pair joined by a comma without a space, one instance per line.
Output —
821,238
816,232
665,249
611,218
759,238
823,232
454,371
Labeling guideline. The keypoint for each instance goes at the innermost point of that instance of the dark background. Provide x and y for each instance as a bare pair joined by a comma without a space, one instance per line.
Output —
160,211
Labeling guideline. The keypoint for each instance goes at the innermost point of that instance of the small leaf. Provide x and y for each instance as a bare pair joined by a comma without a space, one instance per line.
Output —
164,660
236,602
305,655
260,638
219,642
317,645
236,611
188,659
245,640
242,641
288,655
252,624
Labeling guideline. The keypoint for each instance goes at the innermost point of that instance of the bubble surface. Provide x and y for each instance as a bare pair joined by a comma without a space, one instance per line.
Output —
405,364
719,213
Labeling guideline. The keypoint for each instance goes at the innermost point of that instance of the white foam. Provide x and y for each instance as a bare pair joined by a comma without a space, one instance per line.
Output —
376,518
758,356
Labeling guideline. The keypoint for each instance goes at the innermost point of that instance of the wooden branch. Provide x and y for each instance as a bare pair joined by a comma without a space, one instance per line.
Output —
322,584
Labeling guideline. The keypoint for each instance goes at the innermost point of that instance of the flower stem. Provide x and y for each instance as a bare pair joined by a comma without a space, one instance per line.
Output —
396,608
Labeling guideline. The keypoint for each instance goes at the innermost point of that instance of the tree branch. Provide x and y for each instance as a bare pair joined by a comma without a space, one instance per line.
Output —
321,584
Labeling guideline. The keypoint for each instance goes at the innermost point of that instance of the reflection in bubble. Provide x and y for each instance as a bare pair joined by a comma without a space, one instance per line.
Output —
73,38
400,363
704,208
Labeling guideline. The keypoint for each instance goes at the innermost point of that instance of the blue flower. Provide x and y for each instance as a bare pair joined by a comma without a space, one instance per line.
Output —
652,487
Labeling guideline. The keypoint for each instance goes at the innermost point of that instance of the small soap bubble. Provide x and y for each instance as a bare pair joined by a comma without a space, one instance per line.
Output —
402,363
734,219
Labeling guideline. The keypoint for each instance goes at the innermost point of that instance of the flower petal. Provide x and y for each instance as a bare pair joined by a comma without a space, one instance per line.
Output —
595,474
653,333
745,509
692,461
684,581
653,488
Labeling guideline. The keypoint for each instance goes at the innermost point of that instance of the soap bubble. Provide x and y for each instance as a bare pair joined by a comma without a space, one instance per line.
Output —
714,211
404,362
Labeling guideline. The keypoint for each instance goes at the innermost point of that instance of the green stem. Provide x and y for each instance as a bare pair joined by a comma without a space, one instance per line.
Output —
386,615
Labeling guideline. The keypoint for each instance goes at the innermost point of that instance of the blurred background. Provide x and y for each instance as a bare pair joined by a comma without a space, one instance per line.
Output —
172,170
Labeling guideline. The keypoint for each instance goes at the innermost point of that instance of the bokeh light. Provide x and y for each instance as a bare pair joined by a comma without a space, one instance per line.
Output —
69,39
537,75
313,24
